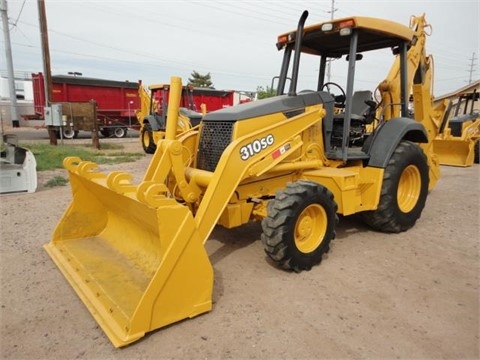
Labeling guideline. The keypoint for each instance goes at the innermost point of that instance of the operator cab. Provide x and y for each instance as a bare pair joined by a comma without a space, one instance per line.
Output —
159,106
468,113
355,108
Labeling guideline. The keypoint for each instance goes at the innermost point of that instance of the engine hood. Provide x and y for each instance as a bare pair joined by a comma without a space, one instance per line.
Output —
276,104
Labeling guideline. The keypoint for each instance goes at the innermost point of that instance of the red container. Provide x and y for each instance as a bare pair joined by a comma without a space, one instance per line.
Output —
213,99
116,100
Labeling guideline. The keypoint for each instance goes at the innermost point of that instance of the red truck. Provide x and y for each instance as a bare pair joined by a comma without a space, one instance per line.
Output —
116,100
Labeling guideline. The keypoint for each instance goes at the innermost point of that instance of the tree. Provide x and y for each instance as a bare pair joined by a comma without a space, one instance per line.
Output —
263,93
198,80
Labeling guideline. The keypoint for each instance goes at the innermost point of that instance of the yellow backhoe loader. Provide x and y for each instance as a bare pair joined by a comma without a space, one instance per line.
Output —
153,111
459,136
135,253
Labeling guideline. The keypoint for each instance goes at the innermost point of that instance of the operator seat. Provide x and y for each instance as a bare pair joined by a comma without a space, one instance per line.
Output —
362,107
363,113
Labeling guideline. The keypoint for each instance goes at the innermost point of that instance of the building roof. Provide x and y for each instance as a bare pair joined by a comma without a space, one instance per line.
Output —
465,89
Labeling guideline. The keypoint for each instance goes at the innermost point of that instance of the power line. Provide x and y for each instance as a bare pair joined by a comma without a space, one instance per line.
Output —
471,71
329,65
19,13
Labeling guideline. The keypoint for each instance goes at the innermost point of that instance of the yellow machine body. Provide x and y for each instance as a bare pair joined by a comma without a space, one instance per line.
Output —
135,254
457,151
458,142
152,114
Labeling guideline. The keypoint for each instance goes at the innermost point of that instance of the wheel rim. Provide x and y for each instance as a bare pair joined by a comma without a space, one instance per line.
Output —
119,132
145,139
68,134
409,188
310,228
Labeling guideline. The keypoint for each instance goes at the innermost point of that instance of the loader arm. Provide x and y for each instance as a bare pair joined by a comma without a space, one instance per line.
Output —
231,169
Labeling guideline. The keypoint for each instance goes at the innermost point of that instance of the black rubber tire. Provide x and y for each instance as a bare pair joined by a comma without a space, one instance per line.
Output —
292,237
405,177
476,159
120,132
106,133
148,143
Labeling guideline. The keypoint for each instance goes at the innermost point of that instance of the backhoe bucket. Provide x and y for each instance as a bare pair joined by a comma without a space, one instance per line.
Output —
454,152
133,256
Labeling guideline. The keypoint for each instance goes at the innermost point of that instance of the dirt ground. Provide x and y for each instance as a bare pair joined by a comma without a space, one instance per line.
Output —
413,295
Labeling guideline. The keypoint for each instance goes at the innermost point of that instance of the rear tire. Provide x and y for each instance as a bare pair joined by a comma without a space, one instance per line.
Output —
148,143
299,226
404,190
120,132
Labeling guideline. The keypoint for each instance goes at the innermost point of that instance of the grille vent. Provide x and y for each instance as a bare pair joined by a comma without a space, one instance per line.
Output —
215,137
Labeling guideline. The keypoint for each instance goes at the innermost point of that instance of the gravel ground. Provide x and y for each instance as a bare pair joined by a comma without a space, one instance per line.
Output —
375,296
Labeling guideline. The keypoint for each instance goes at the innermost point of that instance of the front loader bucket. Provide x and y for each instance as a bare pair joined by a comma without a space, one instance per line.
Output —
134,257
454,152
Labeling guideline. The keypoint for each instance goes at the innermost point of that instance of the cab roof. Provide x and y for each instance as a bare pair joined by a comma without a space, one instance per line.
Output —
373,34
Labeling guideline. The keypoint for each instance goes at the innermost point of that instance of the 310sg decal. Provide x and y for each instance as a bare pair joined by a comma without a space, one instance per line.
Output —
256,146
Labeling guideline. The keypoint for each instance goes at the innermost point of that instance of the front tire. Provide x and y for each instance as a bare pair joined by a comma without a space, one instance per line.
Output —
148,143
404,191
300,225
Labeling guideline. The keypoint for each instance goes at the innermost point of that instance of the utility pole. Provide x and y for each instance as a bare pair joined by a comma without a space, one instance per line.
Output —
471,71
329,65
8,55
42,17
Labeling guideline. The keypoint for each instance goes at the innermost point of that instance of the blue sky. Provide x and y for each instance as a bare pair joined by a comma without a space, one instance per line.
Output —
232,40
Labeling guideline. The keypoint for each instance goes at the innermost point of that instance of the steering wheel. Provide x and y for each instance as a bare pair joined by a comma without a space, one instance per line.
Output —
339,100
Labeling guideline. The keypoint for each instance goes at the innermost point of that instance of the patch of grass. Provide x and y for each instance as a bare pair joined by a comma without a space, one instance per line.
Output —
118,157
57,181
50,157
106,146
